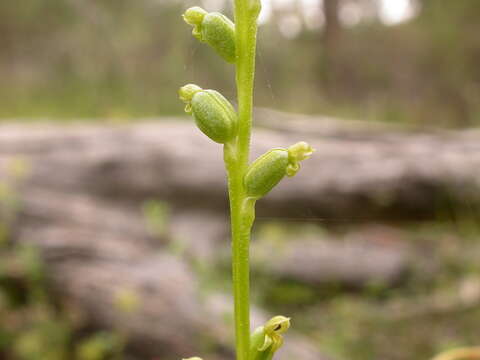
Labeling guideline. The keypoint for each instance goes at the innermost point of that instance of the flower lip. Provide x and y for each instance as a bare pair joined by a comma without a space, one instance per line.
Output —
187,92
194,16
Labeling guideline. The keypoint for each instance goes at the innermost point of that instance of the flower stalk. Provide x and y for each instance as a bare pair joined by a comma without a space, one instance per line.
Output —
217,119
237,163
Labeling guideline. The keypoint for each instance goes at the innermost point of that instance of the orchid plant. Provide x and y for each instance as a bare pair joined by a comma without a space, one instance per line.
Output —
221,122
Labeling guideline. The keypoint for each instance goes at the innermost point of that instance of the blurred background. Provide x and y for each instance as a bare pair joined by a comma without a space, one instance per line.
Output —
114,234
387,60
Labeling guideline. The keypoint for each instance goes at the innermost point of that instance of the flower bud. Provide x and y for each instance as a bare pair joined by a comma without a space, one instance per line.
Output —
267,171
194,16
213,114
215,29
296,153
267,339
255,8
186,95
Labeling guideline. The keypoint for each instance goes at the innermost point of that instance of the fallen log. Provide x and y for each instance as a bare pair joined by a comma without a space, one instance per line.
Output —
103,261
359,259
78,190
394,176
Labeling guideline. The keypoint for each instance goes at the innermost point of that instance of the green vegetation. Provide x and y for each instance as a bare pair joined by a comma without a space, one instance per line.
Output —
118,59
432,309
33,324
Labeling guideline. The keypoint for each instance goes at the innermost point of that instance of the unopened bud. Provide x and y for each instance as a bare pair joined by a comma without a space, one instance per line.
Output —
266,172
194,16
215,29
213,114
270,168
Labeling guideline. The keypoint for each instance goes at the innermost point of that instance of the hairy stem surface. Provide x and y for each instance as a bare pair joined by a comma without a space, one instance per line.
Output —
236,159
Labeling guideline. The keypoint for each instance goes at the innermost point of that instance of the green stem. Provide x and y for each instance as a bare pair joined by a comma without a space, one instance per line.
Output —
240,253
236,159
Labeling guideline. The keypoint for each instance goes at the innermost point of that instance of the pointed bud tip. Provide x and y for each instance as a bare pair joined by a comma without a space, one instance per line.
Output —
186,92
255,8
194,15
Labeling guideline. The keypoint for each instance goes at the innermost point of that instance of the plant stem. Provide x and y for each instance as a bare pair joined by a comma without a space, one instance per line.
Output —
236,159
240,254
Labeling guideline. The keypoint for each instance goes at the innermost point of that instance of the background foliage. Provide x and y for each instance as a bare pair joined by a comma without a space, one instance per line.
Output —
123,59
116,60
